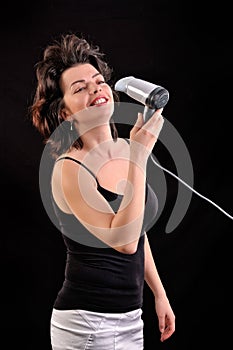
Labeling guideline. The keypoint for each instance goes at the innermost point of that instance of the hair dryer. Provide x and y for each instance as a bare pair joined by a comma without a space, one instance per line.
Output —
151,95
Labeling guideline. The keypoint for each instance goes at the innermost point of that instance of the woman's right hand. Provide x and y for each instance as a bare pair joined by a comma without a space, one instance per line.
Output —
146,134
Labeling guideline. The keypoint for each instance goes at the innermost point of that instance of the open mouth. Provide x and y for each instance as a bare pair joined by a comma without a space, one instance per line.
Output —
99,101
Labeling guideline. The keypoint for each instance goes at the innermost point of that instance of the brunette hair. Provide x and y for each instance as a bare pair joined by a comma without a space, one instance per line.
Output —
45,111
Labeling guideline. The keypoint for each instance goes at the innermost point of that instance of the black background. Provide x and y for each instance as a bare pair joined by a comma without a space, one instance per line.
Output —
187,48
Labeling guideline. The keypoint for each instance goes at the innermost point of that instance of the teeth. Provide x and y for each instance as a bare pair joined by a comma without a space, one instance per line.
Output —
100,100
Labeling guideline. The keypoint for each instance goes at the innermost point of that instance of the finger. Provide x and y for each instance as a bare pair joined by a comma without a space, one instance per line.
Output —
168,331
161,324
156,113
166,334
155,125
150,122
138,124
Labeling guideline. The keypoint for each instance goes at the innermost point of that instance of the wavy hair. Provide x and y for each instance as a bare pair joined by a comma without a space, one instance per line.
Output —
45,111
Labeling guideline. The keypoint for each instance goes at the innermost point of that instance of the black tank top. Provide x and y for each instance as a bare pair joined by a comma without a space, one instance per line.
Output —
97,277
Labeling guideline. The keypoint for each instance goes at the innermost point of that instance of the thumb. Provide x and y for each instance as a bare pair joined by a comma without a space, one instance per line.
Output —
139,122
161,325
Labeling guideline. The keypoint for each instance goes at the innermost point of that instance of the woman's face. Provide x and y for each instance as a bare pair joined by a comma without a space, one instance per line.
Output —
84,87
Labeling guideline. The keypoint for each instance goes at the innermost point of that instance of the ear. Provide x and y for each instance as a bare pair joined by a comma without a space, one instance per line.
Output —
64,115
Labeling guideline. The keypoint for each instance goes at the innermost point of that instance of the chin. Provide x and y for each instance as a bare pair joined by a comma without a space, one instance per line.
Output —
94,116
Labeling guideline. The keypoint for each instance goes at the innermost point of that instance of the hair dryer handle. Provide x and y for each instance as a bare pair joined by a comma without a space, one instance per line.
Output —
148,112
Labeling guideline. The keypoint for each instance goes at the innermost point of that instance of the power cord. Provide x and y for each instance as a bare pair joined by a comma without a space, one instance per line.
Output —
184,183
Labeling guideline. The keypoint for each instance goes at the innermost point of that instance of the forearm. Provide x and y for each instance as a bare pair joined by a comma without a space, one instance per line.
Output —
133,202
128,220
163,308
151,273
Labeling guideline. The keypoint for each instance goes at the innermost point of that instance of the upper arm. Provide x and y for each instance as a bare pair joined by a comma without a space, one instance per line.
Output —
79,190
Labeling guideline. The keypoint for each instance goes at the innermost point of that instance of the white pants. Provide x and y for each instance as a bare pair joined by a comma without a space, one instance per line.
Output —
84,330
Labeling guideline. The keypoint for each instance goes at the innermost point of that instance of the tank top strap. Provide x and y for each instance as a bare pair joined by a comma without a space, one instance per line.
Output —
80,163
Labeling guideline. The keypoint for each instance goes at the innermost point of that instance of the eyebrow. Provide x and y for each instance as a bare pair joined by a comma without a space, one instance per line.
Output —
83,80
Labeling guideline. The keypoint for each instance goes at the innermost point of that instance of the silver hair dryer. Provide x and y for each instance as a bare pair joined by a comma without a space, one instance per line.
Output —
151,95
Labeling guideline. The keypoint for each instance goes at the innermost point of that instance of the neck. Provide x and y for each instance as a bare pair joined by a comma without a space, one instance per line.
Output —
97,136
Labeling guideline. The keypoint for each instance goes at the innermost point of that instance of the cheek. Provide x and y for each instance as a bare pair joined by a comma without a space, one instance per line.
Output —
74,104
110,94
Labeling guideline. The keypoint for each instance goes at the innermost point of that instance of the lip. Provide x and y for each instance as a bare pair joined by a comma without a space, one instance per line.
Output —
101,103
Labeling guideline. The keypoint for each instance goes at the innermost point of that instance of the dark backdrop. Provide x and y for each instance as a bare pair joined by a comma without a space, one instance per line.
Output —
185,48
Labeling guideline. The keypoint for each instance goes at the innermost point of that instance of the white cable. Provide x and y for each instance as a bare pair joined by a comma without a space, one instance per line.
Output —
207,199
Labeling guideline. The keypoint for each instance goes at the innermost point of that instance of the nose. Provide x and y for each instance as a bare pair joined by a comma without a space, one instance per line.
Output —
93,88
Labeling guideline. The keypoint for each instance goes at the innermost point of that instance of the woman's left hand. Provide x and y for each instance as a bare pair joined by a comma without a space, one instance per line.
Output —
165,316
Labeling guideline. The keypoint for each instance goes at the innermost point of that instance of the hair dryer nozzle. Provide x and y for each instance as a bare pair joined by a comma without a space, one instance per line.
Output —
122,84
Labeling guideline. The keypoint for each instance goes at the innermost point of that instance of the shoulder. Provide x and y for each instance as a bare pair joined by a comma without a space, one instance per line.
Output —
73,158
66,162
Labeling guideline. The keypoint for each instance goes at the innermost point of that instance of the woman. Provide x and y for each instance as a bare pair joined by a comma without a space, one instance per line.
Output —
102,200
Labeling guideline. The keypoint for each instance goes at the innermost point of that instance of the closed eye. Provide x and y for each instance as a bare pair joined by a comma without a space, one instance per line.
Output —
84,87
101,82
80,89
